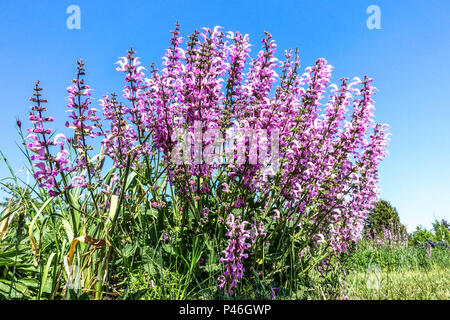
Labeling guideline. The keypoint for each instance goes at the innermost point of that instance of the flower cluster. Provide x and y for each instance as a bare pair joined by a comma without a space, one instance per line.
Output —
240,240
48,166
392,235
86,124
121,137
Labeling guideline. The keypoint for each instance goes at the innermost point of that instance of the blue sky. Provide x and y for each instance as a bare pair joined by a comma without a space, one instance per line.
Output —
407,57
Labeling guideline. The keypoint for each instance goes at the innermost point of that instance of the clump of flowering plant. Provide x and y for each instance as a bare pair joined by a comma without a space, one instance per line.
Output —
391,235
251,157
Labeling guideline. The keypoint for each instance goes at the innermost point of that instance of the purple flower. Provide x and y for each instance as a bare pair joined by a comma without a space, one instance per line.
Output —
48,167
240,241
272,290
78,181
226,188
205,212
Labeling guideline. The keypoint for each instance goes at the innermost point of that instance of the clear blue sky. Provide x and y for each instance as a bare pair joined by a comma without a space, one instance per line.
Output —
408,58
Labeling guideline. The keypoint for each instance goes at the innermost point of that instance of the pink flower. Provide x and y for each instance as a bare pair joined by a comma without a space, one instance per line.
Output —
78,181
226,188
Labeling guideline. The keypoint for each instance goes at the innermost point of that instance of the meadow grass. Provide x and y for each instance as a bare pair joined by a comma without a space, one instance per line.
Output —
405,284
397,273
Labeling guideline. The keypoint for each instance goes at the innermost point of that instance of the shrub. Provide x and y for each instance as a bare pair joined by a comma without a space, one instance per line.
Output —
440,233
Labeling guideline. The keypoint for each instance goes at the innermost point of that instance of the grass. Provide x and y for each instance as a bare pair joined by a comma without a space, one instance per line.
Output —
397,273
431,284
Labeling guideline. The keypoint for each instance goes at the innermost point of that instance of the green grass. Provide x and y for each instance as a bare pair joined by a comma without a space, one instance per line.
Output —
397,273
431,284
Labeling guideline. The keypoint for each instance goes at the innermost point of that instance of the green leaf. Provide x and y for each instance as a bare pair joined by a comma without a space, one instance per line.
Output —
128,250
45,273
30,229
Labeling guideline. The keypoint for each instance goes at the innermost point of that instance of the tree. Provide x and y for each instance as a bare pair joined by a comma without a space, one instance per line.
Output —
441,230
384,216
